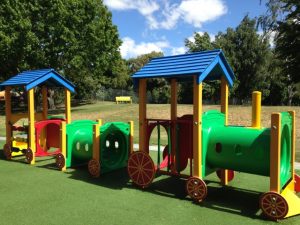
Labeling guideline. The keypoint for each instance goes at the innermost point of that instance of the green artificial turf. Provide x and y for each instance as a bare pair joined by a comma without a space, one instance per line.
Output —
40,194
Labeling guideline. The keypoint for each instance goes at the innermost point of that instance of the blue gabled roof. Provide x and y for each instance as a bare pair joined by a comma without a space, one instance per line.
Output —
210,65
33,78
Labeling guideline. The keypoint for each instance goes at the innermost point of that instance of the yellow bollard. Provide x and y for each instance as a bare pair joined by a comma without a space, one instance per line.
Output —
256,109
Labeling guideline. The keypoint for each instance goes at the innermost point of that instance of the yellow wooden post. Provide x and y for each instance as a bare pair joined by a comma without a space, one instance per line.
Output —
96,142
142,113
31,121
275,152
8,114
131,124
256,109
68,105
173,118
197,129
63,142
224,98
224,109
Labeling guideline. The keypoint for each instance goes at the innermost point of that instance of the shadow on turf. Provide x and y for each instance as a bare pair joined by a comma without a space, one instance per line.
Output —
226,199
114,180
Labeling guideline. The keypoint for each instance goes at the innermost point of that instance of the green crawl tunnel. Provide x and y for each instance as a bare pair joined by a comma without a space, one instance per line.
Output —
114,145
243,149
79,142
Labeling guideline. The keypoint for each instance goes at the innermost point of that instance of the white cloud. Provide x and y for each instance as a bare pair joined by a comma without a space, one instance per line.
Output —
145,7
197,12
178,50
130,48
167,15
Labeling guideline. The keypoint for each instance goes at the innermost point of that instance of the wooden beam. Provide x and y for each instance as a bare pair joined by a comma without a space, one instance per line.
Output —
224,109
68,105
31,122
142,113
173,118
45,102
8,114
197,129
275,152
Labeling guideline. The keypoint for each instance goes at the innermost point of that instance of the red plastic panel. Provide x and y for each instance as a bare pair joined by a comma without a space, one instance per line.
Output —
297,183
52,128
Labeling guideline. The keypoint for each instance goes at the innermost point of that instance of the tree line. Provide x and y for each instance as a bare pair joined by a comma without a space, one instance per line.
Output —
79,40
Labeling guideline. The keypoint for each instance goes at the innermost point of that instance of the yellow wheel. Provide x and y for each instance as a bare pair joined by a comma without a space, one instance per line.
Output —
94,168
273,205
29,155
141,169
196,189
7,151
60,161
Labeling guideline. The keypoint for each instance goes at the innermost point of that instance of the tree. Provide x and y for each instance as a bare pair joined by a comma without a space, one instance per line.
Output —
158,88
283,18
75,37
248,54
201,42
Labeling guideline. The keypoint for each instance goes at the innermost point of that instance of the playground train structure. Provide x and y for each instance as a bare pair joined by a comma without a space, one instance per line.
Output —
198,144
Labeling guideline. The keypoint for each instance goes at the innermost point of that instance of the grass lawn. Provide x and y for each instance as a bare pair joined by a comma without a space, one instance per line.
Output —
40,194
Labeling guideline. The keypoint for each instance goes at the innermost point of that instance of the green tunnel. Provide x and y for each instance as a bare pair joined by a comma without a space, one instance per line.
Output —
243,149
114,144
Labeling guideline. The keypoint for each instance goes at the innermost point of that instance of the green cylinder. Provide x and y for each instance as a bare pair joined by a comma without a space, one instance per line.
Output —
244,149
79,142
240,149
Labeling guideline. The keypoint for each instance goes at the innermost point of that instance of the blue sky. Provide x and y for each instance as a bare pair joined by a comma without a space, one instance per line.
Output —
163,25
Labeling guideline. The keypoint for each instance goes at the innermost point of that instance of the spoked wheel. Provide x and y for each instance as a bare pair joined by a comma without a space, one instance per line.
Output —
29,155
60,161
7,151
141,169
196,189
230,174
273,205
94,168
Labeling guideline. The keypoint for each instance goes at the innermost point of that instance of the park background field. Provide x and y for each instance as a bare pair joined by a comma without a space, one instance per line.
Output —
41,194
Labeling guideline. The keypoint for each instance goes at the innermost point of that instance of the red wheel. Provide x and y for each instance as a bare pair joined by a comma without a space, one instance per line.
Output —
29,155
230,174
94,168
141,169
196,189
60,161
273,205
7,151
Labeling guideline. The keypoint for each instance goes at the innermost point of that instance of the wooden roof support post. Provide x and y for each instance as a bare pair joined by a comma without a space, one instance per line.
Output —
173,118
275,152
8,114
197,129
224,109
45,102
142,113
68,105
31,122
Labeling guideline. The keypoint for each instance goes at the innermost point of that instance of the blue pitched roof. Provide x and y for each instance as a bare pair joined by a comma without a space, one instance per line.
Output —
210,65
33,78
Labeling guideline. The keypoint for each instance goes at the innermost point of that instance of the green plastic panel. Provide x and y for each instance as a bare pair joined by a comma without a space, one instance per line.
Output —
79,142
114,145
286,148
